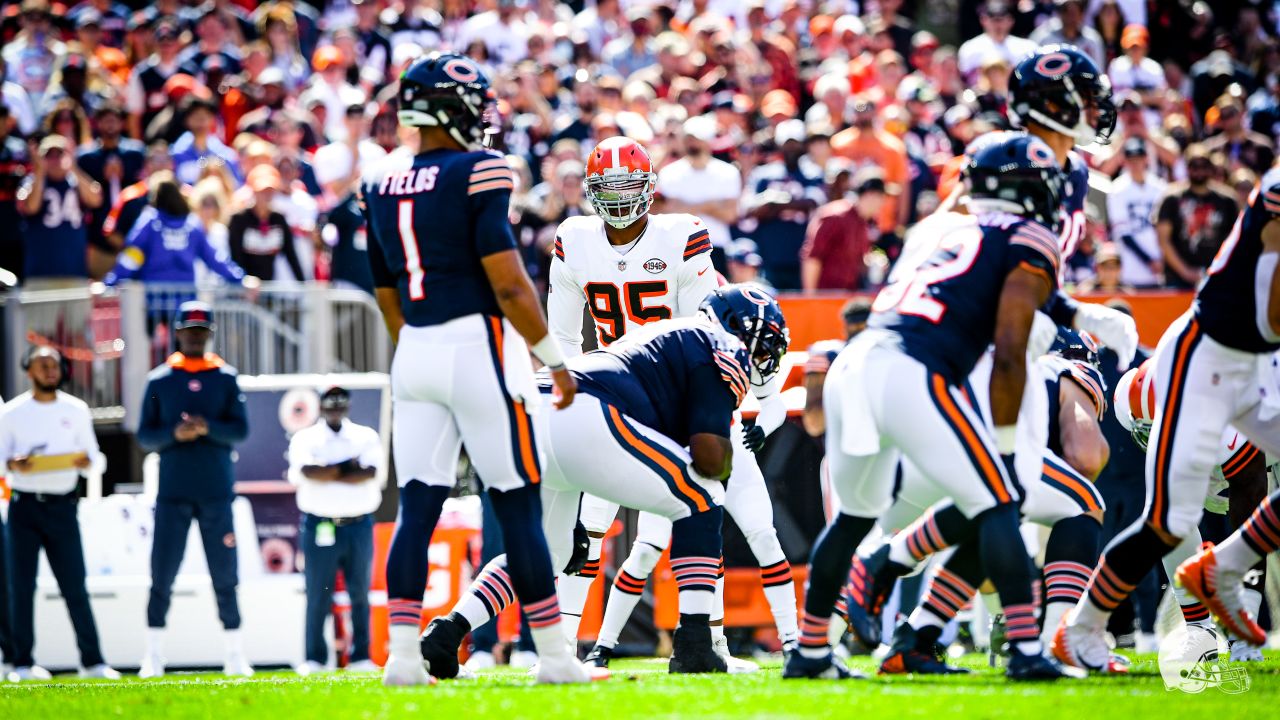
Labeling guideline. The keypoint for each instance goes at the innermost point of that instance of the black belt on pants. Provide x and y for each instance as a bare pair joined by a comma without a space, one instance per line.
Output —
339,522
44,497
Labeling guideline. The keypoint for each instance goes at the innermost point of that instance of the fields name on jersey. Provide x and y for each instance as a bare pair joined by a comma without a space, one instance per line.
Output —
409,182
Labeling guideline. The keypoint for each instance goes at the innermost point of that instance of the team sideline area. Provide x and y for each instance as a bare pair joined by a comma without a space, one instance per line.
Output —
643,689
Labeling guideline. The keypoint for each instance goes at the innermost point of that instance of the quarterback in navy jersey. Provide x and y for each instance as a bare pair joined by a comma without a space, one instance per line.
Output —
976,278
456,299
1208,377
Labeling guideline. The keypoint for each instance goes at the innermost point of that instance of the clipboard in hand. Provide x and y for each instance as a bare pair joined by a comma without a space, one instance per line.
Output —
53,463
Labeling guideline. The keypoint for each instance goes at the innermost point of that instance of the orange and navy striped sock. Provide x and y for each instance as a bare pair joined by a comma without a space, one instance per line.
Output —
1195,613
947,595
1106,589
813,634
494,590
405,612
1020,623
1065,581
543,613
696,583
1262,530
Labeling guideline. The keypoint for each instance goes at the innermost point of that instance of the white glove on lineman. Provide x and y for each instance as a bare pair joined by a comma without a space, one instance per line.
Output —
1111,328
1043,333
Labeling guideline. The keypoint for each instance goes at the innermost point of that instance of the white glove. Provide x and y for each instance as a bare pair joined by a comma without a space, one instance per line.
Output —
1111,328
1043,333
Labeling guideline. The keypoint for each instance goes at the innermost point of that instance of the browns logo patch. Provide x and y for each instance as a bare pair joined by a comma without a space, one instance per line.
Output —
655,265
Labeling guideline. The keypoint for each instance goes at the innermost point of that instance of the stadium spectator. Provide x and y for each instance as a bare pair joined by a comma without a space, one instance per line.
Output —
14,163
996,17
781,197
1108,277
200,146
257,234
1194,220
702,185
52,200
32,55
47,442
339,164
1241,146
193,413
1131,205
744,263
168,240
346,235
115,162
841,235
146,95
132,199
866,144
334,464
209,198
1067,27
1135,71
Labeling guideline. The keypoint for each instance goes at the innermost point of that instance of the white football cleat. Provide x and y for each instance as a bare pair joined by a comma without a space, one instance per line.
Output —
561,669
523,659
310,667
237,666
29,673
152,666
1081,647
481,660
101,671
362,666
1242,651
406,671
1146,643
736,666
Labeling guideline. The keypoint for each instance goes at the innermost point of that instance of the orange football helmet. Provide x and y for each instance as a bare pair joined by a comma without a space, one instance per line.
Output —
620,182
1135,402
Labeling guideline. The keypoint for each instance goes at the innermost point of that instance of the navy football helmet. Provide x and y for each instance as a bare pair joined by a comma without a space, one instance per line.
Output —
748,312
1075,345
1061,88
449,91
1017,173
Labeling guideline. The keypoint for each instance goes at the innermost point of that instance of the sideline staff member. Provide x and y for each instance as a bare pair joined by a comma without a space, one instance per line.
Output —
192,413
47,440
333,463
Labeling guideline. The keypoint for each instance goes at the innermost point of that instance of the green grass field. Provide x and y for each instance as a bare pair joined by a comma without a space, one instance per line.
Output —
640,689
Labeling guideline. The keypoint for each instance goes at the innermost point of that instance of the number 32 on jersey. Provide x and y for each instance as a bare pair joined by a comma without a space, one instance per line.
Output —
611,306
908,289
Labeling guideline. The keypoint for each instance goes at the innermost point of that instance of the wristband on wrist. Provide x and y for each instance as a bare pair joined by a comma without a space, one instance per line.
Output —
548,351
1006,439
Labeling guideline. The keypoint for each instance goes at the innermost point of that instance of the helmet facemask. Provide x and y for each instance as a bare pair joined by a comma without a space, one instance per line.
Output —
620,197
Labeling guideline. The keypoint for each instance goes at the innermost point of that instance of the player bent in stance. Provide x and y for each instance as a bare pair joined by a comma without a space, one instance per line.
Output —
457,302
629,267
1210,367
1240,470
1059,449
668,385
895,392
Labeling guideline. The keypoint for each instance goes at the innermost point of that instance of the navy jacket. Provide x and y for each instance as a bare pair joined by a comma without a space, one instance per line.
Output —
200,469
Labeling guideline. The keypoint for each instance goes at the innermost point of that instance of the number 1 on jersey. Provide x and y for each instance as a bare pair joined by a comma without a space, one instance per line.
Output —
409,241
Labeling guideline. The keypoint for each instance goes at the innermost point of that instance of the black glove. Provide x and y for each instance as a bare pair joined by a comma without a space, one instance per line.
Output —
752,436
581,549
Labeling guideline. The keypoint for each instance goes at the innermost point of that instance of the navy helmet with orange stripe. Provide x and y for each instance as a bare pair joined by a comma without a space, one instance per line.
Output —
1016,173
749,312
448,91
1061,88
1075,345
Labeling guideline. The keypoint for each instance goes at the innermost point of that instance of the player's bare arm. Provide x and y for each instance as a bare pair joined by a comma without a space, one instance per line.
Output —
1024,291
712,455
519,303
1083,445
814,419
389,303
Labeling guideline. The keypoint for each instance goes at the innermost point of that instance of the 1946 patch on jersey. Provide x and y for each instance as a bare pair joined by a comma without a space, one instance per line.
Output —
655,265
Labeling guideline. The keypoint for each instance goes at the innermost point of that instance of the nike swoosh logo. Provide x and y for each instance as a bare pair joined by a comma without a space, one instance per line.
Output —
1234,439
703,270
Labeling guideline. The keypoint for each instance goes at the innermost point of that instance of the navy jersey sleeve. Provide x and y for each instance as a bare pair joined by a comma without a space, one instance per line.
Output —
489,187
1033,247
1090,380
1271,198
710,401
382,275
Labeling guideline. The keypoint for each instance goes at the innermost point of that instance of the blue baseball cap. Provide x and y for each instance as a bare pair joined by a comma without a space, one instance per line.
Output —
194,313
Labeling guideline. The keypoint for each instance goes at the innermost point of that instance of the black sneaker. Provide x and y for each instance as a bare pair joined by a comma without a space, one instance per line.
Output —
692,652
872,583
440,645
907,657
599,656
1032,667
827,667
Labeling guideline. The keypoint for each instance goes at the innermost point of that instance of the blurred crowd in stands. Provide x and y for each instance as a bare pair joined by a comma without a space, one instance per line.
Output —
224,140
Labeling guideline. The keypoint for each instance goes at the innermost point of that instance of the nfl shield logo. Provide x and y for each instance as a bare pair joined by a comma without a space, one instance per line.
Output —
193,385
622,265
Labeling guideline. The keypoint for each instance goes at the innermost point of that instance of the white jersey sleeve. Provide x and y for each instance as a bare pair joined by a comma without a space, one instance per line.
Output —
565,301
696,278
773,411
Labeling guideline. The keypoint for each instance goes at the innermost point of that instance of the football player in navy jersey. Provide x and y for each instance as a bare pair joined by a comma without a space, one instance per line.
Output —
895,391
662,387
1210,368
457,301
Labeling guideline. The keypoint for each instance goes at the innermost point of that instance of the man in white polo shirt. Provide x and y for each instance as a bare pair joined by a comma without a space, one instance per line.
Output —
334,464
702,185
47,442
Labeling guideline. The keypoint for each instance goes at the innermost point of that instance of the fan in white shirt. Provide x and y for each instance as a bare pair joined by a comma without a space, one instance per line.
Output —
996,17
700,184
1130,204
334,463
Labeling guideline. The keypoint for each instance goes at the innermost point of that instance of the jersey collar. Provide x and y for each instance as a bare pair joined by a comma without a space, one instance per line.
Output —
210,361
